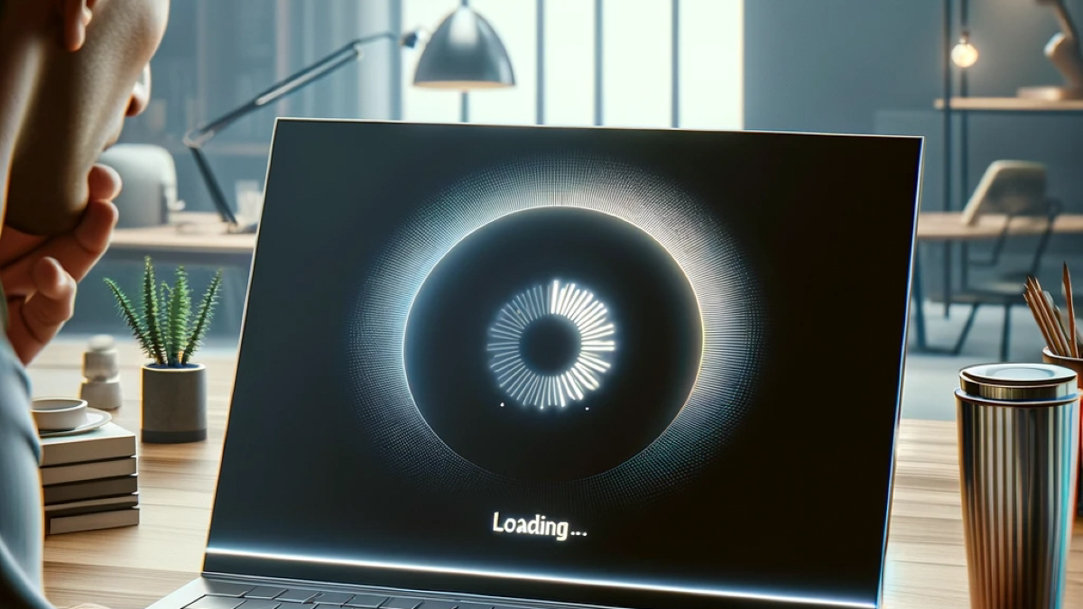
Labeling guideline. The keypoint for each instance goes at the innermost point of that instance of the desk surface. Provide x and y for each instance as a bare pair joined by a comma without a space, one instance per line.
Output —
130,567
199,233
948,226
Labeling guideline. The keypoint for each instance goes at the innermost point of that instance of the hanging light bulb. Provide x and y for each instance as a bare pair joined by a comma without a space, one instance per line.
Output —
964,54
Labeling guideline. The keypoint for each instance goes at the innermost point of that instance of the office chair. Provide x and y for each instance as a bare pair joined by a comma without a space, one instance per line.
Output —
1015,189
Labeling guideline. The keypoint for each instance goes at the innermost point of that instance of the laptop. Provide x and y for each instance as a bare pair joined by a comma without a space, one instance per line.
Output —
541,367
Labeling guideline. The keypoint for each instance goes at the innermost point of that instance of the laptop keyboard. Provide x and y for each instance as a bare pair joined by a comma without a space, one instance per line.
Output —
224,595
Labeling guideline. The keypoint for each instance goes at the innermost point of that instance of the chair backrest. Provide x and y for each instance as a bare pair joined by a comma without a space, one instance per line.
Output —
1016,188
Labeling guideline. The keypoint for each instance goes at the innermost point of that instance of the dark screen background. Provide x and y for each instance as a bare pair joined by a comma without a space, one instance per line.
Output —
795,504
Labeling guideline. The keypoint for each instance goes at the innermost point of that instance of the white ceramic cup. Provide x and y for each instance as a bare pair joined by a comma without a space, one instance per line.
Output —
58,414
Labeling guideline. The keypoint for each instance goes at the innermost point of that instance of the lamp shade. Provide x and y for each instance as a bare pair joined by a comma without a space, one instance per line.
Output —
464,53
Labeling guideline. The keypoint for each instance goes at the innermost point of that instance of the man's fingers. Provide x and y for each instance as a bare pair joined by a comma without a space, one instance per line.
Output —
35,320
76,251
91,237
15,244
103,183
52,282
53,301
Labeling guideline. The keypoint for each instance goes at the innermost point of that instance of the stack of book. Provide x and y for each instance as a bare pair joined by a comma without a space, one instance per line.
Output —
89,480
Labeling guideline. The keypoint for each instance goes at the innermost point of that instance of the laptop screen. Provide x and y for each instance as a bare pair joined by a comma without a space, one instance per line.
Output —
617,367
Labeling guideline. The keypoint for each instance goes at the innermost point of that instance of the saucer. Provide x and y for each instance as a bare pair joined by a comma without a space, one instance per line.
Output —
94,419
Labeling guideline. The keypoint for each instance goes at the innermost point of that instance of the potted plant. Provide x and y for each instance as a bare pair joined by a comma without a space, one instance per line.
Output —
174,398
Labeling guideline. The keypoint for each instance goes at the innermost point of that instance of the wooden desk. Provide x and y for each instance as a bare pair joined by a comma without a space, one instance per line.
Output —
948,226
130,567
201,241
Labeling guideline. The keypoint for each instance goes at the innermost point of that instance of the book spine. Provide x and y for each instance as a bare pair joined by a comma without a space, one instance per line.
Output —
92,522
72,491
61,451
91,470
73,508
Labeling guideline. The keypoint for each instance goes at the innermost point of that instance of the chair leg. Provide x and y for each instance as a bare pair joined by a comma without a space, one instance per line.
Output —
966,329
1004,347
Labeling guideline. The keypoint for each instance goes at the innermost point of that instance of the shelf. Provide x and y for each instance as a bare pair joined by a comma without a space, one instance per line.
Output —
1011,104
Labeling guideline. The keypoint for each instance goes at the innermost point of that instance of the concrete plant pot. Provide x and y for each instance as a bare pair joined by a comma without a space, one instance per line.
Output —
174,404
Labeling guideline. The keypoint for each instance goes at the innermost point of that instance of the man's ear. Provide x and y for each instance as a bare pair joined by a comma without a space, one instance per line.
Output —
75,15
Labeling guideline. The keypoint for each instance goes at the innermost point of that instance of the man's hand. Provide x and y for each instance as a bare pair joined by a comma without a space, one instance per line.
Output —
39,274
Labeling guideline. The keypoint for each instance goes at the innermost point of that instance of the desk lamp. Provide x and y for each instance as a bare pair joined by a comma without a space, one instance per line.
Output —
464,53
1063,52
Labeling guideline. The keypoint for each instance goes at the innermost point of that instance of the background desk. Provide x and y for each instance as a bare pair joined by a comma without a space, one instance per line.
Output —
130,567
202,242
948,227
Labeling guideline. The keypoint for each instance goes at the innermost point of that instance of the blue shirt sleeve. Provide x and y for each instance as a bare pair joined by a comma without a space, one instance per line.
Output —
20,490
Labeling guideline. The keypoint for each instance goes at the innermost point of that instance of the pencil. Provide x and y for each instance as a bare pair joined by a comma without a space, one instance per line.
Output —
1071,311
1078,331
1033,306
1047,322
1062,320
1057,329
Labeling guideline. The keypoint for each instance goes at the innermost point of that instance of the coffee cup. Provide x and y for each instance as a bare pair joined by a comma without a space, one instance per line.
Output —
58,414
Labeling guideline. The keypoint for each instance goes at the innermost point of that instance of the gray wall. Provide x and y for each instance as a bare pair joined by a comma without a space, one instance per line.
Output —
829,65
875,67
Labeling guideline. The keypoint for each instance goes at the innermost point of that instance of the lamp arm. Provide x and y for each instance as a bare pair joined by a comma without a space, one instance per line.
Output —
350,52
196,138
217,196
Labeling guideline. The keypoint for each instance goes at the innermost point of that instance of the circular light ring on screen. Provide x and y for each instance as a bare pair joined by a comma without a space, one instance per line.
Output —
647,381
558,302
726,293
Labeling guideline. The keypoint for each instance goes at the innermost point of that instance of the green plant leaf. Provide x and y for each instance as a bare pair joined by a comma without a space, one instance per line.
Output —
151,313
203,317
127,311
164,295
180,308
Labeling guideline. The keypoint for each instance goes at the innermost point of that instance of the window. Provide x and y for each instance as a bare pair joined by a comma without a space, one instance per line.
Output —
637,51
